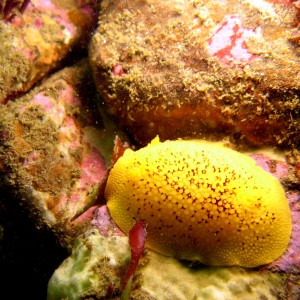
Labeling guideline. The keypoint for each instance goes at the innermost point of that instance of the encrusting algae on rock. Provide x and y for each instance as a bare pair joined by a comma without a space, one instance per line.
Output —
201,201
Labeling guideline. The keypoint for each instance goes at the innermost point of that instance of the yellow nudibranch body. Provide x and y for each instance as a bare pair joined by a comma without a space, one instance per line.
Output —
201,201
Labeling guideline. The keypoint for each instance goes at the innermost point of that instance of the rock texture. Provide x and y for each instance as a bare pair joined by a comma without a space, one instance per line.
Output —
36,42
201,69
50,150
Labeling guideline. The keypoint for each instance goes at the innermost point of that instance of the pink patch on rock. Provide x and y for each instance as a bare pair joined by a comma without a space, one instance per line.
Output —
93,168
38,23
277,168
289,262
43,101
87,216
228,43
105,224
117,70
74,198
59,15
68,96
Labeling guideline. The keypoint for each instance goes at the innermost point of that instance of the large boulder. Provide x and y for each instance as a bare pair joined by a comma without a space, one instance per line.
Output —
201,68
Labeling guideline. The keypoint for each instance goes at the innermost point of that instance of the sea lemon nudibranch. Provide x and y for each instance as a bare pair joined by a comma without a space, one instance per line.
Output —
201,201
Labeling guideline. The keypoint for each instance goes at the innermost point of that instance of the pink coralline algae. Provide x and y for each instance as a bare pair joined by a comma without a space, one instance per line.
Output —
229,42
117,70
289,262
93,168
279,169
104,223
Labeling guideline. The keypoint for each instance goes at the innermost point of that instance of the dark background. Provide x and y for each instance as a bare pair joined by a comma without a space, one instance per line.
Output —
28,256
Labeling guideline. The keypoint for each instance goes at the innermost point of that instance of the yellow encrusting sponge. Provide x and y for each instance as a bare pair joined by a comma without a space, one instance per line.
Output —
201,201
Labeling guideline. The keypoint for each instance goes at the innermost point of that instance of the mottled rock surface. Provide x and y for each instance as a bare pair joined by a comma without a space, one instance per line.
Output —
36,42
201,69
50,151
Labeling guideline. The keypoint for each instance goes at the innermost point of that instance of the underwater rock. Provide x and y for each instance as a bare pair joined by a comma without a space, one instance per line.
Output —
98,264
203,282
204,69
52,143
35,42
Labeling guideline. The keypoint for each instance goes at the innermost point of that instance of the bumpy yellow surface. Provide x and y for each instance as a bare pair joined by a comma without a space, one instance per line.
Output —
201,201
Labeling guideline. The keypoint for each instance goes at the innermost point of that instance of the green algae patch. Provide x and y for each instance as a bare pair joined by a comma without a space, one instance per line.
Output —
96,263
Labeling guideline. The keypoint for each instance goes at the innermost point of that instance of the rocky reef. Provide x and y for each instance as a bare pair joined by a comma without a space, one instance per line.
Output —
159,277
221,71
50,152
